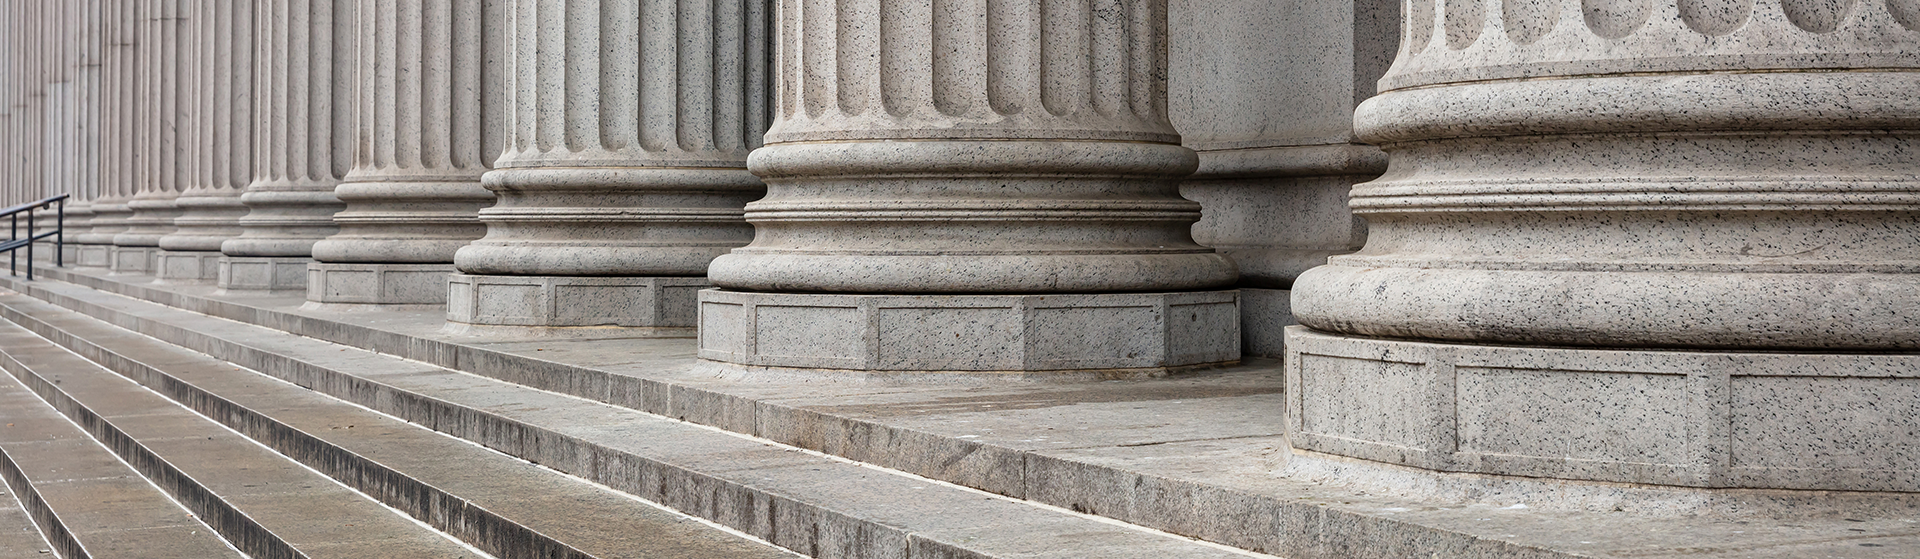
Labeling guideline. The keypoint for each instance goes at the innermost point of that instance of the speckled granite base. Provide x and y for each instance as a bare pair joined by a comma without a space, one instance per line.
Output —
1265,315
1684,418
132,260
184,265
356,283
970,333
271,273
573,301
94,256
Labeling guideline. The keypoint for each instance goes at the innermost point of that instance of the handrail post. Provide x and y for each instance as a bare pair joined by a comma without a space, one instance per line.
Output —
30,233
59,233
13,257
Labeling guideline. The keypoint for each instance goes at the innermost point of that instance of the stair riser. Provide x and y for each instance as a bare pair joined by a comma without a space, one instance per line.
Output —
784,522
44,518
234,526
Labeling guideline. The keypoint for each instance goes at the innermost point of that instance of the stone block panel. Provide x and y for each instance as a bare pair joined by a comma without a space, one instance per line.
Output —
95,256
573,301
1698,419
190,266
132,260
973,333
377,284
264,273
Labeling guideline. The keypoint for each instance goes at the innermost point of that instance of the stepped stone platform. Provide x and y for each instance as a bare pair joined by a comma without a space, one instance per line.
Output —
1192,465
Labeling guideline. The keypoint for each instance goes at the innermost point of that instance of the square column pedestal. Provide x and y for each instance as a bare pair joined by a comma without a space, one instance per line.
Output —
546,301
356,283
186,265
270,273
1775,420
94,256
1108,333
132,260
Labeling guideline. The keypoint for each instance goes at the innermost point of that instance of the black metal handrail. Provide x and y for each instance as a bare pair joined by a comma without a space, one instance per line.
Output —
15,241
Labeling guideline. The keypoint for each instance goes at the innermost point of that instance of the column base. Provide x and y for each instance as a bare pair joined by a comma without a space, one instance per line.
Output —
643,302
264,273
1123,333
1729,419
132,260
355,283
1265,315
186,265
94,256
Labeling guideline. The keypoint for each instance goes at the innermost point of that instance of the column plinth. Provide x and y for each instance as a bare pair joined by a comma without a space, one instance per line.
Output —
972,159
1694,227
428,125
625,171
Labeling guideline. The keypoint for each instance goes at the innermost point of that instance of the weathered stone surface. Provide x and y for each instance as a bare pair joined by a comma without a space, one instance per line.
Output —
573,301
378,284
981,333
221,39
263,272
430,121
305,116
626,157
1263,91
1650,201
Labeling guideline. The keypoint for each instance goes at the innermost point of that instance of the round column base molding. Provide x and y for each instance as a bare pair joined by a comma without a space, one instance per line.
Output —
264,273
1749,420
574,301
349,284
1109,335
182,266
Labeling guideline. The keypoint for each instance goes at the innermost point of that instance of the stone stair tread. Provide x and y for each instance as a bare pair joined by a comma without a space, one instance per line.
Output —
289,502
815,504
100,503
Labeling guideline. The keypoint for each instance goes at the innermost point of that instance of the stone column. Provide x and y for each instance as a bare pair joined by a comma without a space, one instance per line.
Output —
625,168
1264,90
305,118
1632,241
983,187
116,124
222,151
164,99
430,123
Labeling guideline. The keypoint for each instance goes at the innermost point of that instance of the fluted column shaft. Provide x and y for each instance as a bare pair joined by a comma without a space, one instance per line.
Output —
986,147
628,138
117,131
304,114
221,153
430,119
166,122
1700,218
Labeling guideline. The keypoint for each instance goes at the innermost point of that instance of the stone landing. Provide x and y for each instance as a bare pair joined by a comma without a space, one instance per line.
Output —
1142,332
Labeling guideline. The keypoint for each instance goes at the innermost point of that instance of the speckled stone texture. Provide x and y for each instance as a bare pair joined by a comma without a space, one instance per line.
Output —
132,260
972,333
377,284
263,273
1022,150
625,159
186,265
1263,91
1698,179
573,301
305,116
431,116
163,107
221,144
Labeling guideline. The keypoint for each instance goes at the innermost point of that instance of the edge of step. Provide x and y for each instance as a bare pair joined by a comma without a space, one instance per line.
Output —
785,508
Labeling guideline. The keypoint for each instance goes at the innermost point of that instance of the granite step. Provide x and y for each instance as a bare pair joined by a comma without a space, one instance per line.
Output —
263,504
85,500
810,503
